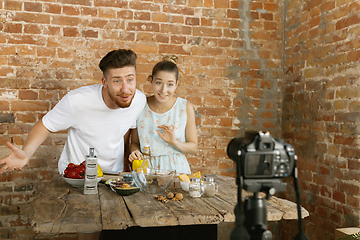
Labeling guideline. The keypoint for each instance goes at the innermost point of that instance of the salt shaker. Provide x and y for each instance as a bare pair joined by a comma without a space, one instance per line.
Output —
195,187
210,187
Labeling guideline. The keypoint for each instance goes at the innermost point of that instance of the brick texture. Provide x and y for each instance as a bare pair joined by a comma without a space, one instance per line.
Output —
239,68
48,48
320,113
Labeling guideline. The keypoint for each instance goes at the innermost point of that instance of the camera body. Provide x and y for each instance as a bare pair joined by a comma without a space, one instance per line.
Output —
262,161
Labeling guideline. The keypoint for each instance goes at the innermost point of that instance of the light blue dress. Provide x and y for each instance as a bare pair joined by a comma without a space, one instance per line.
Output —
163,155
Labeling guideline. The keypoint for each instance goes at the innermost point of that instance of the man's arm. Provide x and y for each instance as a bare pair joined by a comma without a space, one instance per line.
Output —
19,158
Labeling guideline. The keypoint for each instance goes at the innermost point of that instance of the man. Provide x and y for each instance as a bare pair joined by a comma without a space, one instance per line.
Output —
96,116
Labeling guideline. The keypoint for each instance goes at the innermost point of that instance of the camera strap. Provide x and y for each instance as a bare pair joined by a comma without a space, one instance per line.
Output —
301,235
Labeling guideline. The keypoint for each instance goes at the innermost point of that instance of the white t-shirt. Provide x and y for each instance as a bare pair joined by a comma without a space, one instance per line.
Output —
91,124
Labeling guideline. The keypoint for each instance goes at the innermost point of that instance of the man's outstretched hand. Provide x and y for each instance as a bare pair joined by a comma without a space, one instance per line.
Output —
15,161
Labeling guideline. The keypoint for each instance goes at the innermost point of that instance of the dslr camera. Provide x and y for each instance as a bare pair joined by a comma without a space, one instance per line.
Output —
262,161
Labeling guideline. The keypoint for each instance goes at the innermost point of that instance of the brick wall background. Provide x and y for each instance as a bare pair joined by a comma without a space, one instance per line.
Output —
234,71
321,110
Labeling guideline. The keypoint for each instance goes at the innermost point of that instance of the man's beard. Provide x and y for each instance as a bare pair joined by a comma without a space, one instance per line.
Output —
124,104
120,103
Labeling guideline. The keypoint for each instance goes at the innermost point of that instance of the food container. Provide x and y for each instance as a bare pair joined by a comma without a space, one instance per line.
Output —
176,184
153,181
210,187
195,189
118,186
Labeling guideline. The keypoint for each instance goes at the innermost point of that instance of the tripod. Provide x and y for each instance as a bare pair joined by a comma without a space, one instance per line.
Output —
256,218
251,219
251,216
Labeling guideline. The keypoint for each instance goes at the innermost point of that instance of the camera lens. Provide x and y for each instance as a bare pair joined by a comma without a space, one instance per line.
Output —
233,147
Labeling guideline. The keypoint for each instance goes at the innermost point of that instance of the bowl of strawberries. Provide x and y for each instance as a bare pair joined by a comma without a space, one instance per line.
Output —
74,174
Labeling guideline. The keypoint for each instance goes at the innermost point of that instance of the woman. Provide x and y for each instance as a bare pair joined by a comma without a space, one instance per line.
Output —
167,122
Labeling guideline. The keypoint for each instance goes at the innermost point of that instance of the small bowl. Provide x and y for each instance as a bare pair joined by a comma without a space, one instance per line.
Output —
127,191
128,177
77,182
185,186
153,181
116,184
107,183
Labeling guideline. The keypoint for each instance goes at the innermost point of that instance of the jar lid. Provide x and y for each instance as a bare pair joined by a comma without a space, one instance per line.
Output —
196,180
209,179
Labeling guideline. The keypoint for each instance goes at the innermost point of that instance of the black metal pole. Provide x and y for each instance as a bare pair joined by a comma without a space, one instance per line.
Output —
239,232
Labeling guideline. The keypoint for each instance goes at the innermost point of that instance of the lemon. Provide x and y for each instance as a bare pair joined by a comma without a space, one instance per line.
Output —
195,175
99,171
184,178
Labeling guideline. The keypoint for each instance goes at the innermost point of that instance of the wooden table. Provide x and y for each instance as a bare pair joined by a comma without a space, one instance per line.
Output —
65,209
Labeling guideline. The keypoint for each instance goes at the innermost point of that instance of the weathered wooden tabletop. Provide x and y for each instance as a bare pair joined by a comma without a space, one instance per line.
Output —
65,209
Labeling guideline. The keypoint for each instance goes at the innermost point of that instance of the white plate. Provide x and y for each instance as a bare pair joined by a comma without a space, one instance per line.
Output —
77,182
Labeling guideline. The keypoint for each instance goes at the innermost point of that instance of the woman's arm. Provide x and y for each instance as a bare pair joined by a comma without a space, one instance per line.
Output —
135,152
191,144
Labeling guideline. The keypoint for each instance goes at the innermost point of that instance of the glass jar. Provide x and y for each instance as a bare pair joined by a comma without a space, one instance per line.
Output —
210,187
195,187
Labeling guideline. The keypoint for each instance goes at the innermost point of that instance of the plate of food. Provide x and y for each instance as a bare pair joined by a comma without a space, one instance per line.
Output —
122,187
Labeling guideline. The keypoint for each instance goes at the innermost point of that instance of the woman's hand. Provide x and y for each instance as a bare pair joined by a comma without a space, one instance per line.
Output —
191,142
135,155
169,133
15,161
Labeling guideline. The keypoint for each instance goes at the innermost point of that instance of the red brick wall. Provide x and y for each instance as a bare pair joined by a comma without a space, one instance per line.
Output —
321,110
231,56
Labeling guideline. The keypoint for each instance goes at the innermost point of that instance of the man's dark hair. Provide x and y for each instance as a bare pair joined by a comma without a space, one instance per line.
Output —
118,59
